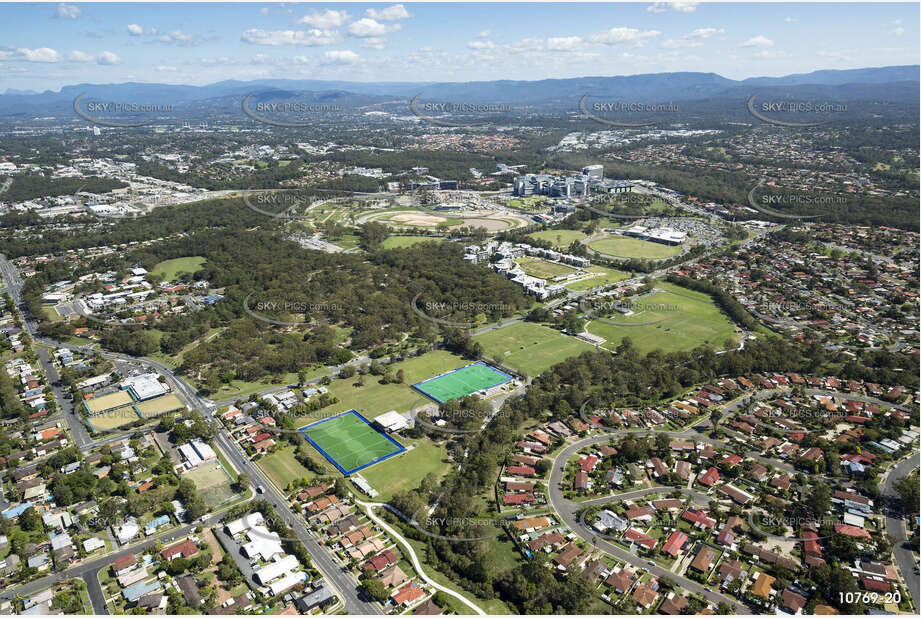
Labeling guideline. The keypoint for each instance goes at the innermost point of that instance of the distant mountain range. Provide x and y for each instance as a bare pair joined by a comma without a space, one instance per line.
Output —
895,84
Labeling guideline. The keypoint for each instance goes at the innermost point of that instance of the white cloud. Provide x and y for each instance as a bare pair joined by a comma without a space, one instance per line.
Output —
897,31
682,6
391,13
108,58
135,30
79,56
264,11
481,45
619,36
325,19
791,20
179,37
68,11
366,27
309,38
165,69
564,43
42,54
482,34
705,33
374,42
341,56
758,41
693,39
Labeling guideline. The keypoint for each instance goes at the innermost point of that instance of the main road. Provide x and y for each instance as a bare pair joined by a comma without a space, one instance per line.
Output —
332,572
895,526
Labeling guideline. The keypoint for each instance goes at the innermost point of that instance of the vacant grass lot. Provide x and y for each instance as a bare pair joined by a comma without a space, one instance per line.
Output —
282,467
399,242
686,319
603,276
407,470
561,239
626,247
213,484
170,269
544,269
530,347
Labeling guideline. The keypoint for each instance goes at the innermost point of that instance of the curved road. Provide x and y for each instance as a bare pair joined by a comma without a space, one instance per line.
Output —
369,506
895,527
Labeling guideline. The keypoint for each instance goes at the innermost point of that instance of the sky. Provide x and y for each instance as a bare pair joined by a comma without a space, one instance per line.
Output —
44,46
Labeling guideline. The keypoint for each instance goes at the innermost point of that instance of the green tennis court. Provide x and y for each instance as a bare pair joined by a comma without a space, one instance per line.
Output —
462,382
349,441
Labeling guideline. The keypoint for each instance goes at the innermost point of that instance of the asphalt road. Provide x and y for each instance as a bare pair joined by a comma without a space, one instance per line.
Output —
78,430
895,527
88,571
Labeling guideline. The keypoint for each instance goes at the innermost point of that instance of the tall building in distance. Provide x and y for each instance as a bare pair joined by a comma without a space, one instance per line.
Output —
594,172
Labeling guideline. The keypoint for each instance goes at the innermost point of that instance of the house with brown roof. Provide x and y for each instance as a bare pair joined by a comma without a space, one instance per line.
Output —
570,554
674,605
792,601
703,559
394,576
428,608
620,581
645,596
730,571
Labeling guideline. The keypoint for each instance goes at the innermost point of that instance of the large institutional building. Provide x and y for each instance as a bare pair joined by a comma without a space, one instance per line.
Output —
578,185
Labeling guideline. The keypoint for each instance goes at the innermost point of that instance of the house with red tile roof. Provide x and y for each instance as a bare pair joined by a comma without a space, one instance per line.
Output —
639,538
675,542
853,531
407,595
709,477
186,549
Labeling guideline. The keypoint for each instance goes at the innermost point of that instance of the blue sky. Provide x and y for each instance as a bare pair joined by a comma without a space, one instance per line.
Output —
48,45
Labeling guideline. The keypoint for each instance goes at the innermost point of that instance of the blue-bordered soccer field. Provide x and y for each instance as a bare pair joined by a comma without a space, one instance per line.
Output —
350,442
462,382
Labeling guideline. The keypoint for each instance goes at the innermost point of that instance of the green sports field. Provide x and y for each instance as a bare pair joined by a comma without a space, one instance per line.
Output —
673,319
529,347
627,247
544,269
349,442
461,382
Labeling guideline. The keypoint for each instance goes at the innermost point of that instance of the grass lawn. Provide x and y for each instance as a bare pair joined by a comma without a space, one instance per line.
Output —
530,347
687,319
349,241
399,242
561,239
624,246
373,399
213,484
406,471
493,606
603,276
544,269
170,269
282,467
239,388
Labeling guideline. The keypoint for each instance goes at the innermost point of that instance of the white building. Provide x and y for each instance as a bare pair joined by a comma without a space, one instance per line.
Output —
281,566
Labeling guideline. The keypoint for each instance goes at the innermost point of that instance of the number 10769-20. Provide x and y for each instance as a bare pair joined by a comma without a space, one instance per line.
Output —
871,597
